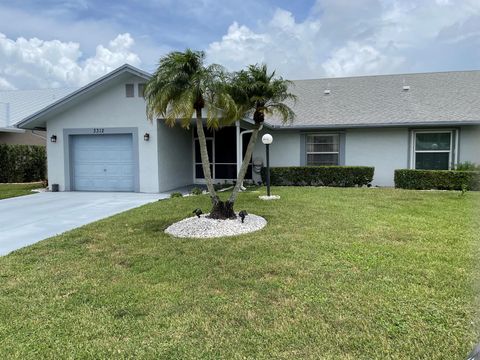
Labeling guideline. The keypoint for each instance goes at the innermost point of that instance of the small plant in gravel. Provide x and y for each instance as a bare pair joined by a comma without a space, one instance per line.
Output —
176,194
197,212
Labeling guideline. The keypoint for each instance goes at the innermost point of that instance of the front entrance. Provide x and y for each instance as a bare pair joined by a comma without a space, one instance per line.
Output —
222,152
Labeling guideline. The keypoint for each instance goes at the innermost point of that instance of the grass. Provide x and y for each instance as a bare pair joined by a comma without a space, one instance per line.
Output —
13,190
337,273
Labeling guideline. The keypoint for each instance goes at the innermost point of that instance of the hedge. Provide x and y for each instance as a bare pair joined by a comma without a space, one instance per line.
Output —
22,163
437,179
339,176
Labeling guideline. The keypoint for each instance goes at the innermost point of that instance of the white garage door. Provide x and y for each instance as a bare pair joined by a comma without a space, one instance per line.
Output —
103,162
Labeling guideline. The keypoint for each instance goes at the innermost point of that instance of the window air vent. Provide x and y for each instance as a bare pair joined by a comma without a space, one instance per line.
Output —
129,90
406,87
326,92
141,89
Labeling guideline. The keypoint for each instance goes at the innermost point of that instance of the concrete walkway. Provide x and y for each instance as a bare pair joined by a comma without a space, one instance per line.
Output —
28,219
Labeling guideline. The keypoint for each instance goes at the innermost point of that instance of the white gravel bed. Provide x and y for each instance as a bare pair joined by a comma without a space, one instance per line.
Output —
204,227
271,197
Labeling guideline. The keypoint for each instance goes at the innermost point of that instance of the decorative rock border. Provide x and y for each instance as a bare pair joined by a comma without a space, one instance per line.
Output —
204,227
271,197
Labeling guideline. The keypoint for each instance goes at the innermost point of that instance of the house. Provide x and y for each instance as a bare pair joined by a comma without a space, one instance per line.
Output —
16,105
99,138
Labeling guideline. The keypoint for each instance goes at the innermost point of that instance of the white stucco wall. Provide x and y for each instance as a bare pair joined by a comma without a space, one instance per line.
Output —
385,149
469,144
107,108
175,157
284,151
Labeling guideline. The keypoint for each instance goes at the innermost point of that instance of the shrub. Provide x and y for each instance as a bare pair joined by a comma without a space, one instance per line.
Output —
468,166
196,191
22,163
339,176
176,194
437,179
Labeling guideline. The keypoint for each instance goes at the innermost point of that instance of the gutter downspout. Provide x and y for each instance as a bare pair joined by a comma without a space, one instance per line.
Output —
238,138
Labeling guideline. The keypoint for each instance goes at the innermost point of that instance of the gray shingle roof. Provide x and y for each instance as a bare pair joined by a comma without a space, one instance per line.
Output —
433,98
22,103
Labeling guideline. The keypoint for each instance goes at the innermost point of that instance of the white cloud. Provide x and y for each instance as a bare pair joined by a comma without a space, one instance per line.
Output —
5,85
359,59
53,63
342,38
239,45
291,47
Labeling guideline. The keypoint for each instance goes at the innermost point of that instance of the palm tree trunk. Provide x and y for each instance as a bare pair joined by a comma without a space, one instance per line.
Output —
205,160
244,167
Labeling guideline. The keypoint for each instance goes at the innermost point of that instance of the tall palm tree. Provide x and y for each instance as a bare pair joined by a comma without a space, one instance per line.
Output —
257,94
183,86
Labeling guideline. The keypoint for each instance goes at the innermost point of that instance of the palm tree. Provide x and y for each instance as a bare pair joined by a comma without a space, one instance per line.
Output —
258,93
183,86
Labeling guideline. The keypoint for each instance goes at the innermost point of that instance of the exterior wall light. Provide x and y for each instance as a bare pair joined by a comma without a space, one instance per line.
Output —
146,137
267,139
53,138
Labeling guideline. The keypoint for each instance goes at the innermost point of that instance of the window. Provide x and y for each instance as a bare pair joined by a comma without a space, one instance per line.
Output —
141,89
323,149
129,90
432,150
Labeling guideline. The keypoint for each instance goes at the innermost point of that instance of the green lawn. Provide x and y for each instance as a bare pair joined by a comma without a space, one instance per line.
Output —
12,190
336,274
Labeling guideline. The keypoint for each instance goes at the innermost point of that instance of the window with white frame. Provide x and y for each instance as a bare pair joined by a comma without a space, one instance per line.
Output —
433,150
322,149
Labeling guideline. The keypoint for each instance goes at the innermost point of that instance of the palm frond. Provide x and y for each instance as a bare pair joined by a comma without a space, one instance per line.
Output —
257,90
283,111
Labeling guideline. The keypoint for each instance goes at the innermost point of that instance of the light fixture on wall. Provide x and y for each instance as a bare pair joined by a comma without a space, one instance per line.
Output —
146,137
53,138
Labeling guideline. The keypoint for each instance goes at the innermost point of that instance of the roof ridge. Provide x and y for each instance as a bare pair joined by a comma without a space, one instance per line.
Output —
111,72
385,75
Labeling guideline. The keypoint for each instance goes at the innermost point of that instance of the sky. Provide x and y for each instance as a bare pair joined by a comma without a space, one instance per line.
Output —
68,43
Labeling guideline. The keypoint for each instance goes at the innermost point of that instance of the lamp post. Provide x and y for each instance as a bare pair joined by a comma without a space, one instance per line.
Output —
267,139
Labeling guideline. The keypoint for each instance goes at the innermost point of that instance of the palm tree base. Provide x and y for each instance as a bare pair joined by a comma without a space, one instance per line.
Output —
222,210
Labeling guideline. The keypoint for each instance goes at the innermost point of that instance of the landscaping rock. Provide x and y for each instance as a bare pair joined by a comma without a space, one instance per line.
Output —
271,197
204,227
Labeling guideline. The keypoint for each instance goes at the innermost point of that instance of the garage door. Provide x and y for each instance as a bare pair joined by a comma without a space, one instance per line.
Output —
103,162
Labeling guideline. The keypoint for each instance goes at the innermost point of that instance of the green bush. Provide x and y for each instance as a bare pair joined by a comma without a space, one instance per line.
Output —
437,179
176,194
22,163
339,176
196,191
468,166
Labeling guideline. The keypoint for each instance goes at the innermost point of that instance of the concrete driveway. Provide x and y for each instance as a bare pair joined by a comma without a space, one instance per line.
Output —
28,219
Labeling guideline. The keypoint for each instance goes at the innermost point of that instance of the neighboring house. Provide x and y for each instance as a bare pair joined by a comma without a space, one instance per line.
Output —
15,105
99,139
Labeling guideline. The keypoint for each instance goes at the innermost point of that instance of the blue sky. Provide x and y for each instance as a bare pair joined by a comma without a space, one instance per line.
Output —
68,43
